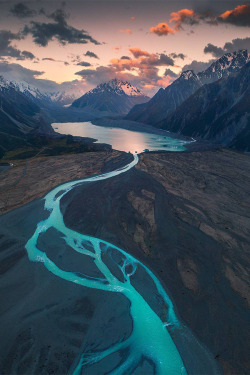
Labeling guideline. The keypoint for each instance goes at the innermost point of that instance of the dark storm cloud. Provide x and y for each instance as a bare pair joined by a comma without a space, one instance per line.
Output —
91,54
83,63
60,30
21,10
170,73
235,45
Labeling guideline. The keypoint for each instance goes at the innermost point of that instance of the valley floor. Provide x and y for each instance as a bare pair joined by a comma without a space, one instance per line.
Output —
30,179
184,215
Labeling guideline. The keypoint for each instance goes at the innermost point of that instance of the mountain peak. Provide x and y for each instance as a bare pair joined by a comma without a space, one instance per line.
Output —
228,63
114,96
188,74
118,87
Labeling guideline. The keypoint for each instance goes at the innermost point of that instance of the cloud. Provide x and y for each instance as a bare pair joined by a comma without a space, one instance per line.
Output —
132,18
48,59
137,52
214,50
6,37
142,60
177,55
18,72
125,58
239,16
197,66
170,73
142,70
83,63
43,33
235,45
21,10
183,16
162,29
187,16
27,55
126,31
91,54
54,60
7,50
162,59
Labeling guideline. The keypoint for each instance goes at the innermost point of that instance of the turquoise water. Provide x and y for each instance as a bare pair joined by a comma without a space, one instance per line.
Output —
121,139
150,337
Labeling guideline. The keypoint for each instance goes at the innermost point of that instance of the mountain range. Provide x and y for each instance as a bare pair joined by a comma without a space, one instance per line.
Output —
213,104
218,111
167,100
114,96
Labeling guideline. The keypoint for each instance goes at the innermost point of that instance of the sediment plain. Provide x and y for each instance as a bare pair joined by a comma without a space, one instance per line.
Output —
184,215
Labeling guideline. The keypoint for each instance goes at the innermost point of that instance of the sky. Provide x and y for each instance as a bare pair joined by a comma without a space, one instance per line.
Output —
75,45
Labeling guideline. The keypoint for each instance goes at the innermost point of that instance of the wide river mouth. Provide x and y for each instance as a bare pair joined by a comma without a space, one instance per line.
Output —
122,139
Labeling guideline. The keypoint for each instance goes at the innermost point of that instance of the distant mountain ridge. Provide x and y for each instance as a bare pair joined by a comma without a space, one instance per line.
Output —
36,95
167,100
114,96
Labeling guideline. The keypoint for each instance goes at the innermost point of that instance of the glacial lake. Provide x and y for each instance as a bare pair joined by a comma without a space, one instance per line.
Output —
121,139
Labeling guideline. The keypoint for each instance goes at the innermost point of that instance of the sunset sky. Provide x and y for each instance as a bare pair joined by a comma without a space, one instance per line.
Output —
80,44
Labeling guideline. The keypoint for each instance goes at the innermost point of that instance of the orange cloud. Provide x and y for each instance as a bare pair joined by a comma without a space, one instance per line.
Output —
137,52
162,29
240,9
239,16
184,16
126,31
132,18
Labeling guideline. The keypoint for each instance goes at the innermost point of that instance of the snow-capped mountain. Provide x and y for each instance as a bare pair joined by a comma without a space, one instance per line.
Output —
228,63
118,87
167,100
114,96
219,111
38,96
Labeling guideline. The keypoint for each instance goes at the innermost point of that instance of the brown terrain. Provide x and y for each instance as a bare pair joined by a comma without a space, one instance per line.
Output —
214,187
31,179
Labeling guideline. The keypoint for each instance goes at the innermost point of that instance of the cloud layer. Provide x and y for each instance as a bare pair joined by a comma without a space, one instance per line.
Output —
239,16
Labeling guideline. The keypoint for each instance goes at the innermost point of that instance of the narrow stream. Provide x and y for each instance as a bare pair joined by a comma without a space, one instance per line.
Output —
150,337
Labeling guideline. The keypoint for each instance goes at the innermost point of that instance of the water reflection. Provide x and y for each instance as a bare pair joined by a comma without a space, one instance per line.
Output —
121,139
